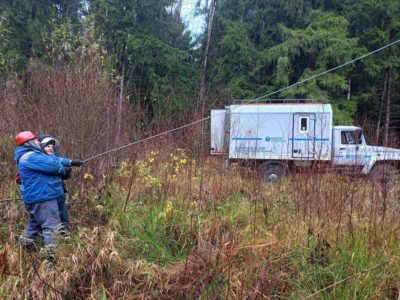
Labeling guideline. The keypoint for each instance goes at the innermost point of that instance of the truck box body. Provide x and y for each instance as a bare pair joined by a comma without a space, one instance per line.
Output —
273,131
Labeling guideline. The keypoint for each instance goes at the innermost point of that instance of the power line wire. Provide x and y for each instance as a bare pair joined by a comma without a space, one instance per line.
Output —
247,102
325,72
148,138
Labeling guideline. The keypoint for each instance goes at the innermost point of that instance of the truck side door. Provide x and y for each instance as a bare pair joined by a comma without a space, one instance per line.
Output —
349,148
219,131
303,135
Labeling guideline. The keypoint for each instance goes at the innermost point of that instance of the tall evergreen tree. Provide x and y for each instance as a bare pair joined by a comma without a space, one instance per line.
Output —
27,23
375,23
150,49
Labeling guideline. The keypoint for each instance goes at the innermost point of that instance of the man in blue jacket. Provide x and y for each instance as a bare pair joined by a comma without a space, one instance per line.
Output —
50,146
41,186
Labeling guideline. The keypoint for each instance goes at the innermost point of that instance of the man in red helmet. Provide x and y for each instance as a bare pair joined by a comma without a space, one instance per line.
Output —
41,187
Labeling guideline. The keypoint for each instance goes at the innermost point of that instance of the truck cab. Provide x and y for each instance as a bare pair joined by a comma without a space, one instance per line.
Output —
351,152
349,148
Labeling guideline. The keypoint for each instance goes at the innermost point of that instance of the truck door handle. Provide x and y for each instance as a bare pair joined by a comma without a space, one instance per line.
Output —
342,148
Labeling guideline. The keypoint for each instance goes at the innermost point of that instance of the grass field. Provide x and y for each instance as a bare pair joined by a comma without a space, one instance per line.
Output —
169,227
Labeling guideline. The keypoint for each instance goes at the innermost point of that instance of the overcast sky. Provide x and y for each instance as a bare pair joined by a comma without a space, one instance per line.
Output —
195,24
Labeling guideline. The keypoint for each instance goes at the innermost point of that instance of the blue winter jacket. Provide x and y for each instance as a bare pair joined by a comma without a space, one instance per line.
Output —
40,174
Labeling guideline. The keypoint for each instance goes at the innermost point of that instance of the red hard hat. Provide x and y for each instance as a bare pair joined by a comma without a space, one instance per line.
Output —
23,137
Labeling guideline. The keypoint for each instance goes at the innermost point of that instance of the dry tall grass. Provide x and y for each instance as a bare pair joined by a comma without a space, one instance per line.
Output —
155,233
160,220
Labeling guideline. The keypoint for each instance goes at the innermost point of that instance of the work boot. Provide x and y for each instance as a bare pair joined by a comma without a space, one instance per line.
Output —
26,243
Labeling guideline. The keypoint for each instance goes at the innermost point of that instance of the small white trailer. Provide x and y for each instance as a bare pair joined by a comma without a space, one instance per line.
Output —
282,136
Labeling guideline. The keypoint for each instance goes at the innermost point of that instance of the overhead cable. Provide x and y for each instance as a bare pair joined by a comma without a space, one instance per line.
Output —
246,102
325,72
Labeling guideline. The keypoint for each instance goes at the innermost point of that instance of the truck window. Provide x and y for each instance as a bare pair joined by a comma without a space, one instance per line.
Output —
303,124
351,137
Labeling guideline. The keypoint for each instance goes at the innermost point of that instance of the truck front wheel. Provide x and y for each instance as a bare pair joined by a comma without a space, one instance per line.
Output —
274,172
383,175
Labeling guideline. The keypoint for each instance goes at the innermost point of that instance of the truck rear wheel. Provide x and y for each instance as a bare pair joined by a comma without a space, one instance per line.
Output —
274,172
383,175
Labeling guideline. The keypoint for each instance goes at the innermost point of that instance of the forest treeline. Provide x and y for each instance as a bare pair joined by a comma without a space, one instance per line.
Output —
152,62
159,220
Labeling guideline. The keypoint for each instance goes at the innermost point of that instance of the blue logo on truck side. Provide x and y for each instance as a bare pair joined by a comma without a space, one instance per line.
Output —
274,139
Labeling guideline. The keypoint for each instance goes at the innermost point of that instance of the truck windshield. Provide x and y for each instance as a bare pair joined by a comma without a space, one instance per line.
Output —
352,137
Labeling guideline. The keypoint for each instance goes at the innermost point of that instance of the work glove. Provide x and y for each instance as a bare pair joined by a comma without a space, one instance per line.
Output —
68,173
77,163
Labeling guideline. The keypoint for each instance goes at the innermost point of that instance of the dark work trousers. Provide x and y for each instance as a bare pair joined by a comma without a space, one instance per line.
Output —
45,217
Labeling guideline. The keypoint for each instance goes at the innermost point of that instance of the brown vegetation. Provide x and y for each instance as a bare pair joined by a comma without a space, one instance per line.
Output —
161,221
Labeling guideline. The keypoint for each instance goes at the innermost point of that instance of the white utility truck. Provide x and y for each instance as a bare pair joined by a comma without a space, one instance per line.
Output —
280,136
